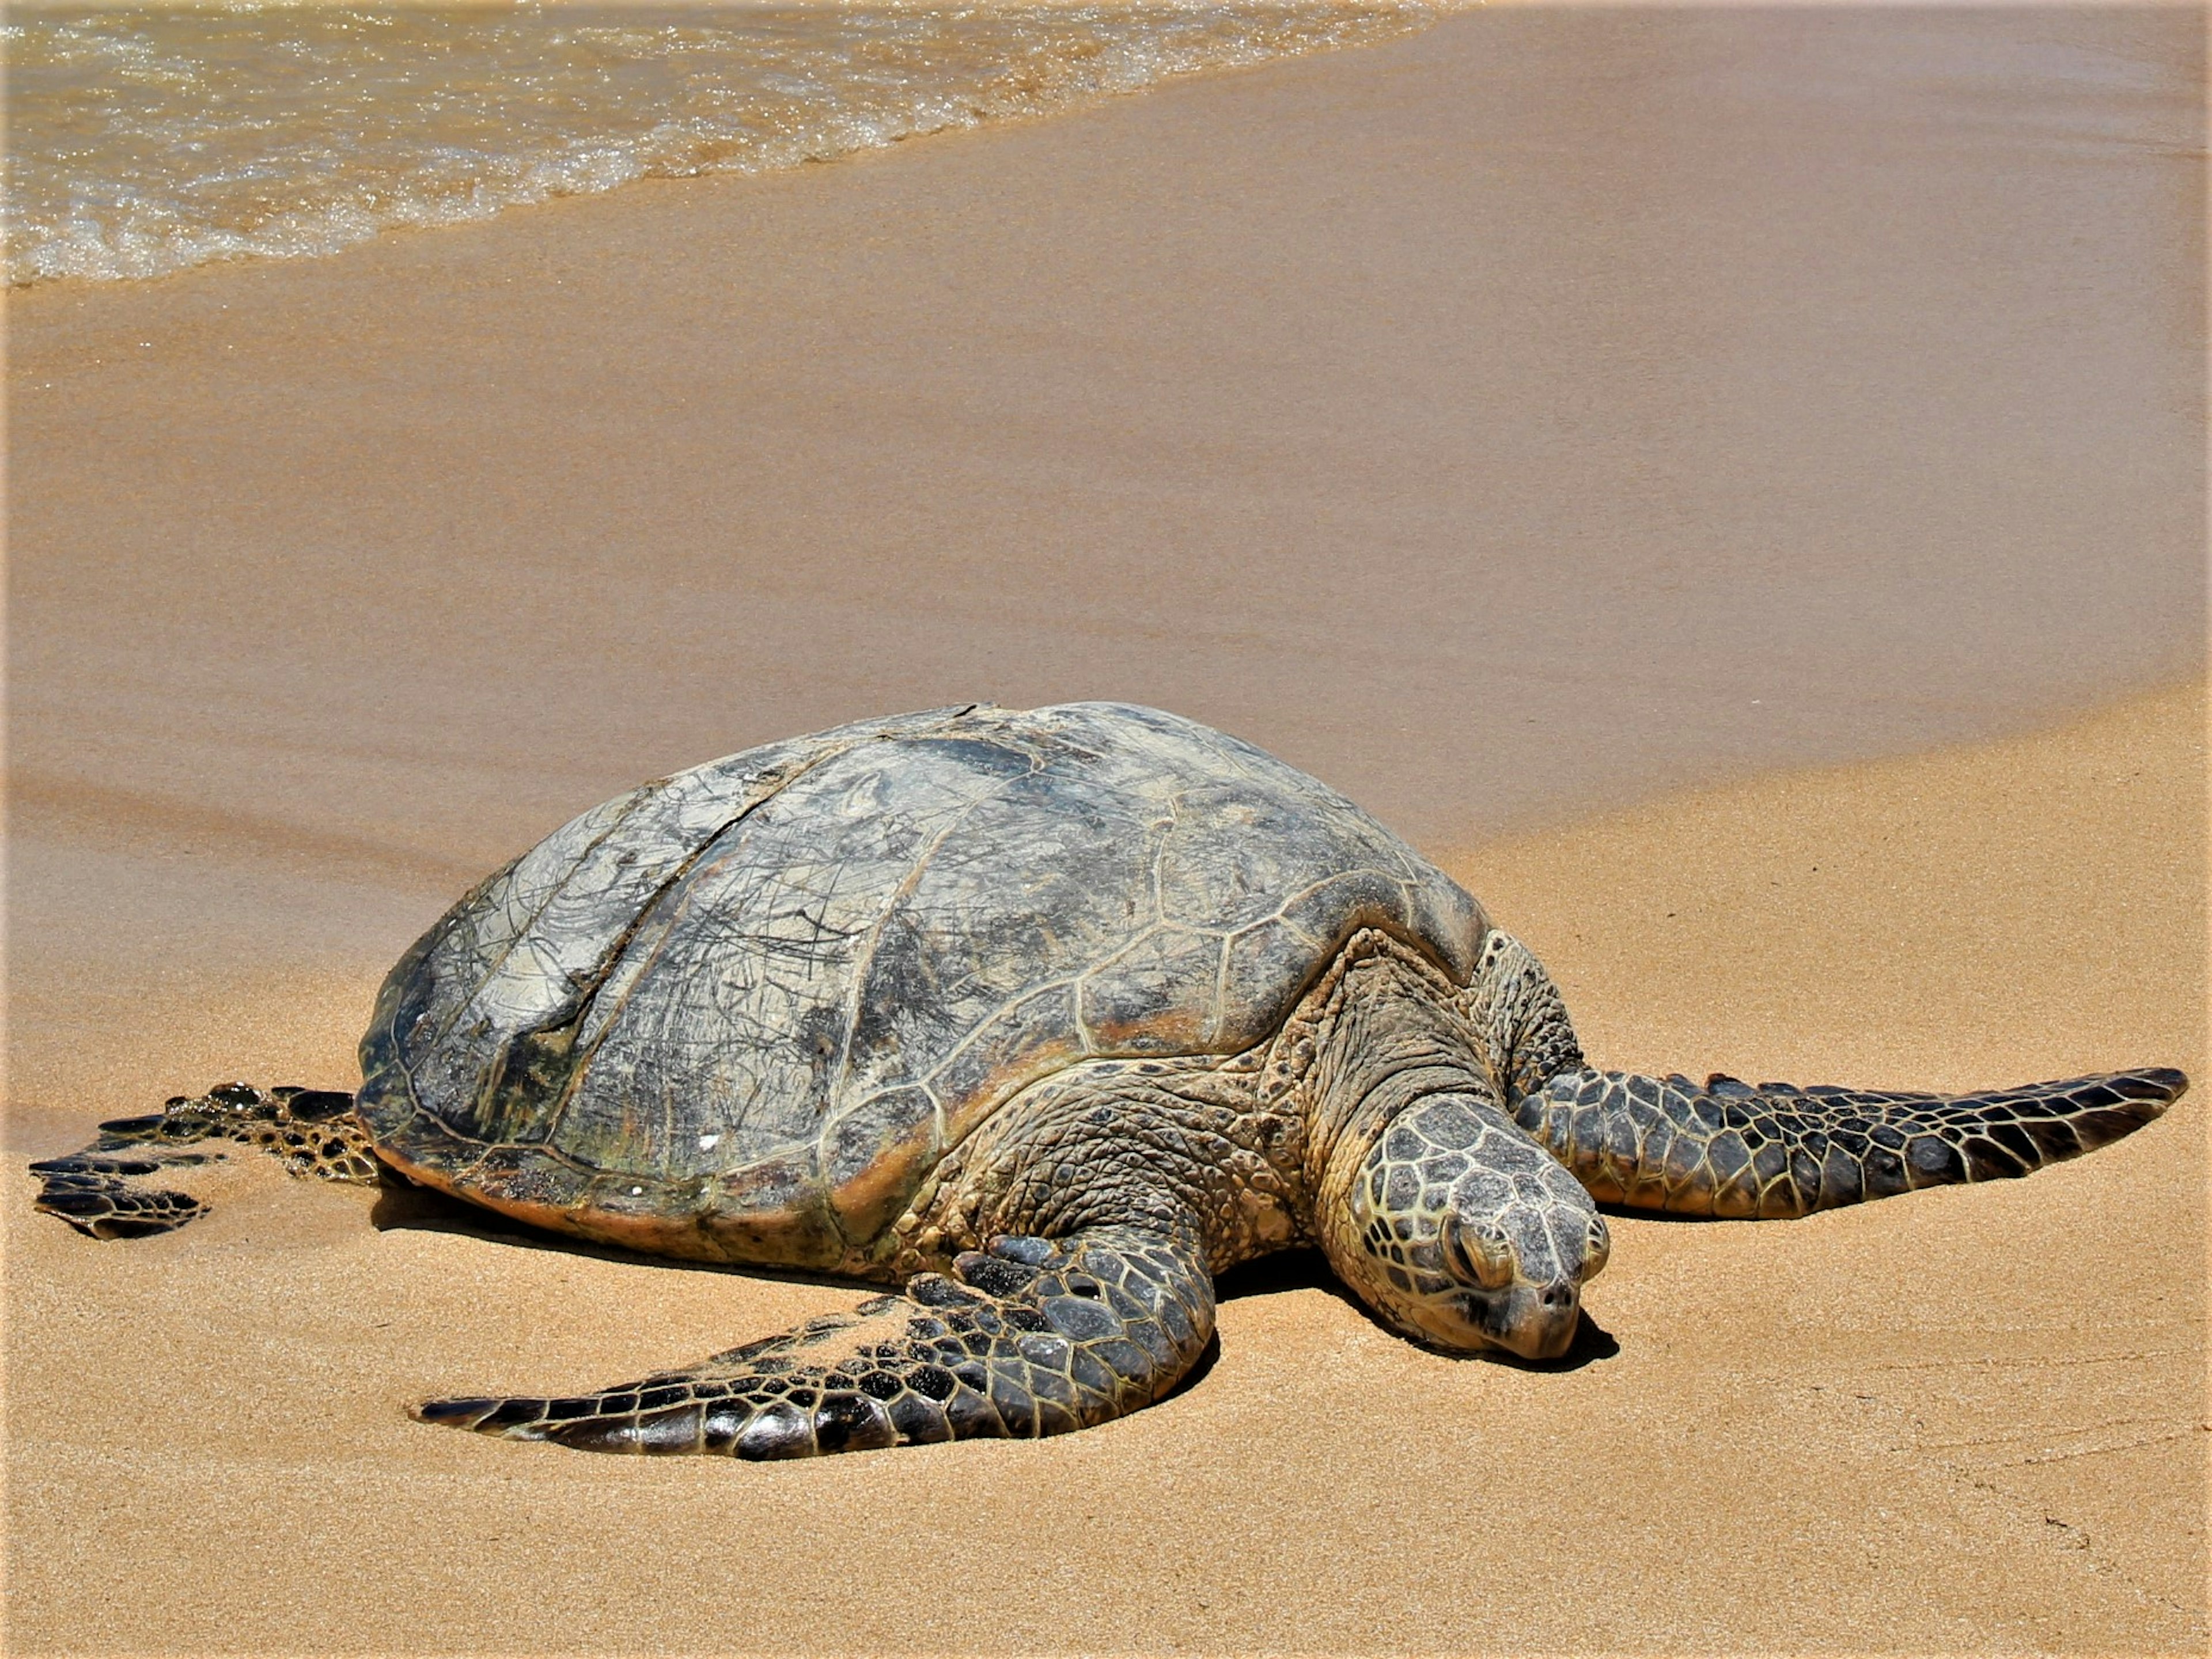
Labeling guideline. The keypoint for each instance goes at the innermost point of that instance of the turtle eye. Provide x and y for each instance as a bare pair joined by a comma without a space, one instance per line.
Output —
1481,1251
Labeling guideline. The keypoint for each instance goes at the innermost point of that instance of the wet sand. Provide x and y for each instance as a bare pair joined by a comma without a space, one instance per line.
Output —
1514,425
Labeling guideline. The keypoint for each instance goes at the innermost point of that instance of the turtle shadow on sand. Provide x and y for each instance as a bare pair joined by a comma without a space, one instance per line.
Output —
402,1206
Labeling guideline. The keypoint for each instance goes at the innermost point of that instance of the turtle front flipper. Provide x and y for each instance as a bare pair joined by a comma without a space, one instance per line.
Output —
105,1195
111,1190
1032,1337
1771,1149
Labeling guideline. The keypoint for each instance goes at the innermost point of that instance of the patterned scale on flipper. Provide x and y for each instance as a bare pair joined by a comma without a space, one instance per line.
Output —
1772,1150
1033,1337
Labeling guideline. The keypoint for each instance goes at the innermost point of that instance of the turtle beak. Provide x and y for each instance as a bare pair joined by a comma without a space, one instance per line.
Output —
1529,1322
1533,1321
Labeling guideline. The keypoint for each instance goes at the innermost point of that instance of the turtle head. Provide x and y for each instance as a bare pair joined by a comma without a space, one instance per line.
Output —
1462,1232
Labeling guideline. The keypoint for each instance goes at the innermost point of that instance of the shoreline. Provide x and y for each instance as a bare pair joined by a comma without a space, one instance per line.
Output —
755,90
915,429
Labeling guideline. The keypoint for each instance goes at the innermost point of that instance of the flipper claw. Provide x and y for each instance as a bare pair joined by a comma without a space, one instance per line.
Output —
467,1413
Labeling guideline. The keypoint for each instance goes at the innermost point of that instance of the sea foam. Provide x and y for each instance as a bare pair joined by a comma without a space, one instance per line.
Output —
146,141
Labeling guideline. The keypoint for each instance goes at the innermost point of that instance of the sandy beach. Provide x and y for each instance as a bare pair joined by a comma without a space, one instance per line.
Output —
1729,485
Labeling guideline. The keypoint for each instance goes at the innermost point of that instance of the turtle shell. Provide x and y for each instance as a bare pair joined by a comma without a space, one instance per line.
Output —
740,1014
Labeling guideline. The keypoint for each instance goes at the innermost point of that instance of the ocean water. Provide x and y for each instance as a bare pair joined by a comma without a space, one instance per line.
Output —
143,141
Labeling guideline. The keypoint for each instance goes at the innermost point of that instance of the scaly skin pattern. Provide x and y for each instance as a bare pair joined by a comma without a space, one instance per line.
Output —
103,1191
1033,1337
1771,1151
1518,1018
1221,1144
1774,1151
1478,1238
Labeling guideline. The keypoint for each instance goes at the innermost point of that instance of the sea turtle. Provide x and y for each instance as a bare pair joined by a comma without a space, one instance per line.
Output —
1046,1018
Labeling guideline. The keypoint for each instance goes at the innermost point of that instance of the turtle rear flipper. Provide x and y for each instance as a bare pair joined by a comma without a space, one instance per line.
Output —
1734,1148
108,1190
1033,1337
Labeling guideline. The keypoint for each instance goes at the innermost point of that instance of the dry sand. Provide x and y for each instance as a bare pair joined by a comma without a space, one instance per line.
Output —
1551,410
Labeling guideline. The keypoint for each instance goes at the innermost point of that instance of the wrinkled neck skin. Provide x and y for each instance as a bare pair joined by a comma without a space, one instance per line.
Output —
1384,1034
1448,1221
1206,1149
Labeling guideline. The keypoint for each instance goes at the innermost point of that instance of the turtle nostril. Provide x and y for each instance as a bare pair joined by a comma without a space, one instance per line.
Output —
1557,1295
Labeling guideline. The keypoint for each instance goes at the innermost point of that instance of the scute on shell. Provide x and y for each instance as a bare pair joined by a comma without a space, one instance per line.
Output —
740,1012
